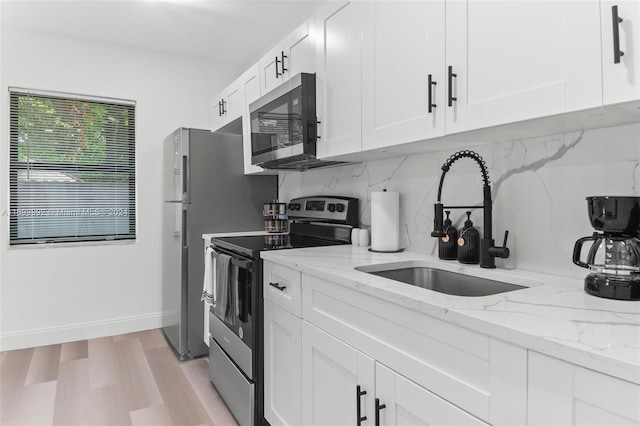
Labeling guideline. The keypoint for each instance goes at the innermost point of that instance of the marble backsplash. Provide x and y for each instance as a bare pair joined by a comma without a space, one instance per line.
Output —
538,187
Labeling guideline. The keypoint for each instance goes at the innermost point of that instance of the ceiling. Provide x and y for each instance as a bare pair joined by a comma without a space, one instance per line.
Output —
233,32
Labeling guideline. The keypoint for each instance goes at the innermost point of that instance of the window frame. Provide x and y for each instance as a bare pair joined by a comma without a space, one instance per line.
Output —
15,166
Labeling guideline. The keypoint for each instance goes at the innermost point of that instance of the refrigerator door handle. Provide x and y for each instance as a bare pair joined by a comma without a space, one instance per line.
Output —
185,233
185,179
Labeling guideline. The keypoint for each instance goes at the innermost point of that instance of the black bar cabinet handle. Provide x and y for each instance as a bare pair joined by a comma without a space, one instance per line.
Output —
224,108
617,53
451,76
278,74
431,83
278,286
378,408
283,68
359,393
220,108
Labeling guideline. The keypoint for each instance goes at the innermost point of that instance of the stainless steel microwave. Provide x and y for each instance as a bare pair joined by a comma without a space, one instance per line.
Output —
284,126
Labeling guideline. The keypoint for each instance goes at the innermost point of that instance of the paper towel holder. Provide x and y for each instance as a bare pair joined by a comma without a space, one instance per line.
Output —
385,247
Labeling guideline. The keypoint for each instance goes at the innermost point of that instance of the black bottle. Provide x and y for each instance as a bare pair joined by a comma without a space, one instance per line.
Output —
448,245
469,243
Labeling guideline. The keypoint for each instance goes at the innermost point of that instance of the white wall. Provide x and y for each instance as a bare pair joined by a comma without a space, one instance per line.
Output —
56,294
539,188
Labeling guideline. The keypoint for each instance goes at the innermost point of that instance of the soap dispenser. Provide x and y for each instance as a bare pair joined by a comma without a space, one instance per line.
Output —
469,243
448,244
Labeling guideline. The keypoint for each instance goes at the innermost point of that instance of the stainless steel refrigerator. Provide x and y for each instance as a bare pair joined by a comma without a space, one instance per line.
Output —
205,191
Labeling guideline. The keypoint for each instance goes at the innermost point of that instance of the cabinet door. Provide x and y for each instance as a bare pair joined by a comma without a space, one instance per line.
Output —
520,60
217,117
331,372
338,77
403,43
300,50
271,74
282,372
234,103
621,73
560,393
407,404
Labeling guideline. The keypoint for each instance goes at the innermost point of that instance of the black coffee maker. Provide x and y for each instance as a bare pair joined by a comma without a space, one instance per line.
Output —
614,256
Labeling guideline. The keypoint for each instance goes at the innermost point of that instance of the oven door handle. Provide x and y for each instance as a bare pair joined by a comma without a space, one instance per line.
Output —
235,259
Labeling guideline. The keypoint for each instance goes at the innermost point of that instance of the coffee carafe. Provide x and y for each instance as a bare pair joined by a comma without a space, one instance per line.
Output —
614,256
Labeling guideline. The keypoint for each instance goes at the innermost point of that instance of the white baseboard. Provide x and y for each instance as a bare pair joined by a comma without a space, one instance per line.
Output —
75,332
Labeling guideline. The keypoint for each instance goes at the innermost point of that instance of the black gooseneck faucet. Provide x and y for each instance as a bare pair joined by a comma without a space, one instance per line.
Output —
488,250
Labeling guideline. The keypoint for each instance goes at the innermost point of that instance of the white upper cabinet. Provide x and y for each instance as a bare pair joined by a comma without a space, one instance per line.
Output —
338,77
300,49
520,60
271,73
620,51
403,49
228,105
250,83
293,55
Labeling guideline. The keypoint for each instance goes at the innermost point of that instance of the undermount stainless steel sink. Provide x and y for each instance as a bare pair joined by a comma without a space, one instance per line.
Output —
441,281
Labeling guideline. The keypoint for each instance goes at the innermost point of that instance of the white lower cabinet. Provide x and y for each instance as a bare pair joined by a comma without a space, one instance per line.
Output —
282,373
332,375
342,384
482,376
400,402
334,354
282,345
560,393
325,342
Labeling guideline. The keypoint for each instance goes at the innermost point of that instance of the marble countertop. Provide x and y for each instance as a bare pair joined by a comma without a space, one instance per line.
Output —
553,316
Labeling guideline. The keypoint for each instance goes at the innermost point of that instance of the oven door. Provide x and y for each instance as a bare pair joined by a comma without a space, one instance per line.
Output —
235,334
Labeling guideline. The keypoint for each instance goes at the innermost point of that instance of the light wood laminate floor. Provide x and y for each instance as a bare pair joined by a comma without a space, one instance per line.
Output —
131,379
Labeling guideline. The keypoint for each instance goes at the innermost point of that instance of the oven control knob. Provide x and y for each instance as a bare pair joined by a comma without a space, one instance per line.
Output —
331,208
339,208
291,206
296,206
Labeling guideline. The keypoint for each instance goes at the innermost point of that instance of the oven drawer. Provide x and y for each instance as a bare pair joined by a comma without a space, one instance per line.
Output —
238,393
232,344
282,287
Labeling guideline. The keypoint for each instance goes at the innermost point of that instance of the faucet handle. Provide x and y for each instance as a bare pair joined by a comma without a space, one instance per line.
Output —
502,252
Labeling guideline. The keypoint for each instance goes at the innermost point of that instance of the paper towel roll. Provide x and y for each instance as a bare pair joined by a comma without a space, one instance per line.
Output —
385,221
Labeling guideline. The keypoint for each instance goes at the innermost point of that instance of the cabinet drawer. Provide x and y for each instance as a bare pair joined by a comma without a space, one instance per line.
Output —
282,287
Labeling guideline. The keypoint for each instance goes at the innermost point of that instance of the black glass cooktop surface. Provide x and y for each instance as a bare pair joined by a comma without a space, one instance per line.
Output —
258,243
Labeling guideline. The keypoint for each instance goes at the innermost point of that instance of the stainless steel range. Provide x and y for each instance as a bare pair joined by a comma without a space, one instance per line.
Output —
236,343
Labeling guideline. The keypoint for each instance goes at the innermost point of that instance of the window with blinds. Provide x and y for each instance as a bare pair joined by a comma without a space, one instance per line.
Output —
72,169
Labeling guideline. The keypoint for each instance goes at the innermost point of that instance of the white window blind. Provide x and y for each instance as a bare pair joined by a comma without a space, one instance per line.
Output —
72,169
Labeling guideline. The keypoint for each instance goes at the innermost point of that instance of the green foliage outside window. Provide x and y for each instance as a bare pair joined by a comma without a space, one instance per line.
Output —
73,132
